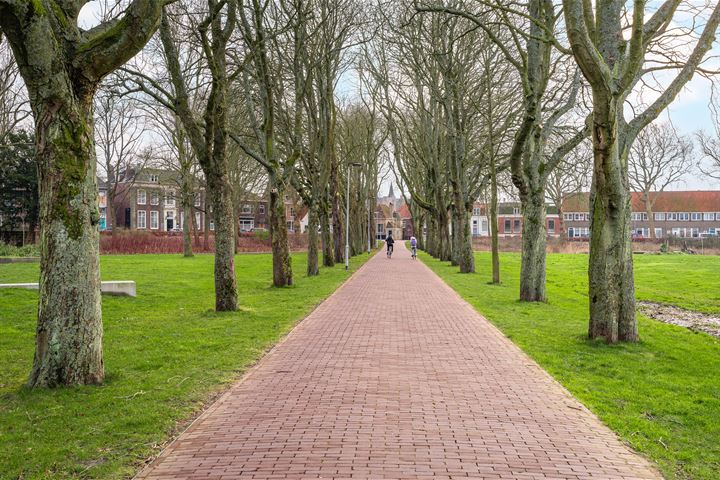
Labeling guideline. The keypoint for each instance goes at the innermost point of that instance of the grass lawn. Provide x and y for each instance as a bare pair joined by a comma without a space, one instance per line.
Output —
166,354
662,395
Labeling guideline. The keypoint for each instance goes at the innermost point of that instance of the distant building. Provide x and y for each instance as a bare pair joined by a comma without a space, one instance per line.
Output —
687,214
509,220
392,215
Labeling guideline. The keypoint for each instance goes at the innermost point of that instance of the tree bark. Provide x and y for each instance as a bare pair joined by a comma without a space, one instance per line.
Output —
464,255
610,273
312,233
534,240
282,266
68,344
327,241
226,296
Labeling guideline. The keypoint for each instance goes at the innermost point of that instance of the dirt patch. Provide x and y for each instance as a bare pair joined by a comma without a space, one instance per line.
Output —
695,321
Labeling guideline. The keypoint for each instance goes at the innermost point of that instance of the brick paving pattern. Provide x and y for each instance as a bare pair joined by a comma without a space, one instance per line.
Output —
395,376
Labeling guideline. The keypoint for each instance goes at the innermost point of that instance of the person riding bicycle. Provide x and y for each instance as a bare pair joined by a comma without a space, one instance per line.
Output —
390,242
413,247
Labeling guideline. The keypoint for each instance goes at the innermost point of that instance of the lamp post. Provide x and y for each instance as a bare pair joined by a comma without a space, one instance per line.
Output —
347,216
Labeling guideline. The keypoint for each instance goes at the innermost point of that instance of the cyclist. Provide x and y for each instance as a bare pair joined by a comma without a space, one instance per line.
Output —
413,247
390,242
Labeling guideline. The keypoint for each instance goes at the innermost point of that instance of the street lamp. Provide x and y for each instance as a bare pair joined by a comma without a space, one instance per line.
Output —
347,216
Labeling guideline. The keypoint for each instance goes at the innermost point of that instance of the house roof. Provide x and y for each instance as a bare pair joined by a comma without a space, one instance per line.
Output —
404,211
675,201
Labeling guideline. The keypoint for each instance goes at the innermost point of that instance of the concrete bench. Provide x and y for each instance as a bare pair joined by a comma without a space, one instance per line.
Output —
124,288
19,259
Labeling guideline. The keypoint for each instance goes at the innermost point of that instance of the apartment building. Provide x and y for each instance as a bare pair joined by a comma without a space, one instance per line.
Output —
685,214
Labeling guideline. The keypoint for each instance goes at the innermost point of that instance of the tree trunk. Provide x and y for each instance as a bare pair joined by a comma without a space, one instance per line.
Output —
312,233
534,240
456,238
494,240
327,241
649,213
68,344
464,254
611,285
282,266
444,244
187,238
226,296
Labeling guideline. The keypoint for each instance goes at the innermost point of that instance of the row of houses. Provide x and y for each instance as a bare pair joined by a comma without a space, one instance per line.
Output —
684,214
147,199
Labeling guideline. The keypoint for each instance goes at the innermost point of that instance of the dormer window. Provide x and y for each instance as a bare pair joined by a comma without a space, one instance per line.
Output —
154,178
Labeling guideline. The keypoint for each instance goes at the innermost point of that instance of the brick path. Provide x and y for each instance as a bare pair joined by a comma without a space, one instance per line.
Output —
394,376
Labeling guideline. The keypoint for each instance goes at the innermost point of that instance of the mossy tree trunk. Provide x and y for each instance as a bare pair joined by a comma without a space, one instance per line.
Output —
282,266
62,67
313,254
534,241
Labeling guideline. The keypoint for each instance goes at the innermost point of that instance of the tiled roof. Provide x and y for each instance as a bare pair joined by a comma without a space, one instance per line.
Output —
675,201
404,211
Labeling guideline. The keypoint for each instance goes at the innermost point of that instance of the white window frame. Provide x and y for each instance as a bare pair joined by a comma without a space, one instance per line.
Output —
212,225
708,216
551,221
246,224
198,221
476,211
672,216
261,209
154,198
516,210
170,199
683,217
696,216
154,178
197,199
658,232
141,197
247,209
141,225
660,217
154,220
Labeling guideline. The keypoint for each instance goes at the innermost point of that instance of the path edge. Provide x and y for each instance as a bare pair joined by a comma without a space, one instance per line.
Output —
150,462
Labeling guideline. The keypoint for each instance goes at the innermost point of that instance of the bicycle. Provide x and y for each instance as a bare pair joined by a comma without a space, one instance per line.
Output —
413,250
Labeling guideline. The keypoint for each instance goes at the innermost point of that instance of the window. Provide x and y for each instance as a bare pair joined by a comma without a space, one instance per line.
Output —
141,221
696,216
141,197
292,211
567,216
579,217
659,217
508,225
197,221
154,178
658,233
694,232
476,211
672,216
154,220
380,228
170,200
484,226
247,209
261,209
708,217
212,225
246,225
638,216
516,211
551,226
516,226
290,226
154,198
197,199
474,227
683,217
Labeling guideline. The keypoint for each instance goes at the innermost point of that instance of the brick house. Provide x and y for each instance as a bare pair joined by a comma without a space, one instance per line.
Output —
509,220
147,199
678,214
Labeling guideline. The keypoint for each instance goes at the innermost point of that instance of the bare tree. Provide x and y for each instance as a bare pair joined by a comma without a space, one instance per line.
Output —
659,157
62,66
14,104
709,163
570,177
614,67
118,137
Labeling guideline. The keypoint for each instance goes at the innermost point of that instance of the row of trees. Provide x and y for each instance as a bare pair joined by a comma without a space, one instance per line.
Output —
564,74
240,89
458,94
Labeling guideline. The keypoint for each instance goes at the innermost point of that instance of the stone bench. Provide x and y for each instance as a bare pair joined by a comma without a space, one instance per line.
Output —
123,288
19,259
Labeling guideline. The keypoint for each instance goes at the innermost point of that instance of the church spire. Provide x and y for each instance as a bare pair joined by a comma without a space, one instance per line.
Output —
390,193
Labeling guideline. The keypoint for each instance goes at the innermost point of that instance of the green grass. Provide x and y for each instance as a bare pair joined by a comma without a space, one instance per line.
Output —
166,354
662,395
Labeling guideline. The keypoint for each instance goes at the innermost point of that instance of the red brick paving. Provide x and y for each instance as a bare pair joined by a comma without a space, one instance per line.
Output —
395,376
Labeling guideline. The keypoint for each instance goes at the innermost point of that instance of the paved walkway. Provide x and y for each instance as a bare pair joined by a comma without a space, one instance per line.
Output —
394,376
